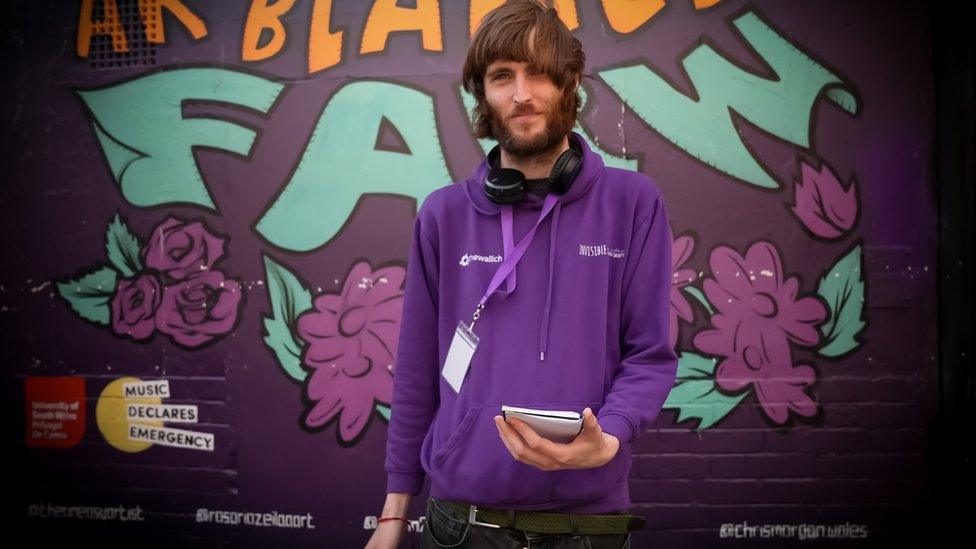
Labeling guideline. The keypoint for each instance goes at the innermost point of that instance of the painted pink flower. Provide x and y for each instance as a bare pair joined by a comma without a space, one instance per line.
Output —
351,344
134,306
179,249
681,250
822,203
199,308
758,315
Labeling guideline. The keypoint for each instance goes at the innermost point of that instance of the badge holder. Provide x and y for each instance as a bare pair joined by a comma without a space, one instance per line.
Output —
465,341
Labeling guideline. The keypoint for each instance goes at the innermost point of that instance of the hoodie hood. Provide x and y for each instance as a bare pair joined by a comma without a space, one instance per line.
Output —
589,173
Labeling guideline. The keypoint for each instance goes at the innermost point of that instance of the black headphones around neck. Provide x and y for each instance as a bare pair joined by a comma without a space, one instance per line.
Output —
507,185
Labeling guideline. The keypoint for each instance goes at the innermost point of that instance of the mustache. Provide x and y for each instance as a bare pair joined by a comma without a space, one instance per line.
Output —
524,111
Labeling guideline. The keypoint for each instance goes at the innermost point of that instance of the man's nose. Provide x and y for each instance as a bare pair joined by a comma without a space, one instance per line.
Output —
523,90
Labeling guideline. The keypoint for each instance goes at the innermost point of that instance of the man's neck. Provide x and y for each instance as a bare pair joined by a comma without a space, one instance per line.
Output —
538,166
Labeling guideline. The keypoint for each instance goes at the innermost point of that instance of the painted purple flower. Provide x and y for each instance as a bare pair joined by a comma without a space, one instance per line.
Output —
199,308
758,316
351,344
179,249
134,306
681,250
822,204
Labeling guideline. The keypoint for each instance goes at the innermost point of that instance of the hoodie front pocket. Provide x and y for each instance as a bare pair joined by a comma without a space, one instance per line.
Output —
462,429
475,465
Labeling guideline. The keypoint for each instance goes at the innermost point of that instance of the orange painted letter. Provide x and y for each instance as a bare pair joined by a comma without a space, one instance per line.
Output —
324,46
261,16
626,16
110,25
151,12
702,4
480,8
386,17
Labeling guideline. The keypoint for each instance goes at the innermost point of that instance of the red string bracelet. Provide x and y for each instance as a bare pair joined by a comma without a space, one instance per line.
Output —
381,519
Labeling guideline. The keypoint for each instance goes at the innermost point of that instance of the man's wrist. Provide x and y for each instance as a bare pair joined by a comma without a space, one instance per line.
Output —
396,505
611,445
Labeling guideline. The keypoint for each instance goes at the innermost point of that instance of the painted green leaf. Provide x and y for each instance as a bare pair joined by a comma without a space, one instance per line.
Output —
843,290
122,248
90,294
697,294
384,411
695,395
289,298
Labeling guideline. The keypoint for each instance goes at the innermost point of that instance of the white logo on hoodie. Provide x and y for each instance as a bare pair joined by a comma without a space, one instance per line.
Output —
466,259
600,249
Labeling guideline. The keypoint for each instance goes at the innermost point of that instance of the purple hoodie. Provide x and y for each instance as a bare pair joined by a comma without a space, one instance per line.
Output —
587,325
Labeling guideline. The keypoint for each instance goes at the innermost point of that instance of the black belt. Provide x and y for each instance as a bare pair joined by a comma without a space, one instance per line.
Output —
545,522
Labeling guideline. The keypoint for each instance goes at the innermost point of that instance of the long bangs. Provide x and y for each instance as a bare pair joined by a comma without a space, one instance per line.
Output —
524,32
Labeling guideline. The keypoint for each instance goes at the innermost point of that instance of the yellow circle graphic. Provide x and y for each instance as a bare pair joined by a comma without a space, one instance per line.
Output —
111,417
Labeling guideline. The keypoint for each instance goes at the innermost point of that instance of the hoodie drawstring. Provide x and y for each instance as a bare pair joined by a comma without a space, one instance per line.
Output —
544,332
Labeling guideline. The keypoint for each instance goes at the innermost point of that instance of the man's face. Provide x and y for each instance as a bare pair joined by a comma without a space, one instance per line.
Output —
526,109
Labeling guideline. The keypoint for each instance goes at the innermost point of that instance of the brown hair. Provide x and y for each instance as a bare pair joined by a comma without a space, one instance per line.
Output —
503,35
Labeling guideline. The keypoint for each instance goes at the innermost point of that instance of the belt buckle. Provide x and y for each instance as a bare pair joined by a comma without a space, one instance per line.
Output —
473,512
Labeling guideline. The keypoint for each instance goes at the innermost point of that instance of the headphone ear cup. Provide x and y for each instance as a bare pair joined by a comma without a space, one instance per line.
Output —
503,185
565,170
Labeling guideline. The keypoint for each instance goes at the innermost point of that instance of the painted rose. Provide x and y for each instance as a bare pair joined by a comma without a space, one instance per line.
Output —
134,306
758,316
351,344
179,249
200,308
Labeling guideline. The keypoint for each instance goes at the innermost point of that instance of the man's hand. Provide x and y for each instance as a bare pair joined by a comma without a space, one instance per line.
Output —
591,448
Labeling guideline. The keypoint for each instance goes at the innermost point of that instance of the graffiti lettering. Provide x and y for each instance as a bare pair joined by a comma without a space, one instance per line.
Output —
341,162
702,125
151,14
324,46
152,19
147,142
110,25
386,17
260,17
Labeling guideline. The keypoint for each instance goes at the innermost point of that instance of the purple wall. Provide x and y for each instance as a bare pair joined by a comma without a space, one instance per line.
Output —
173,210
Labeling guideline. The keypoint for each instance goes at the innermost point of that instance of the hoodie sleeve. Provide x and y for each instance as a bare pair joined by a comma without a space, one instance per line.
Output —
649,363
415,377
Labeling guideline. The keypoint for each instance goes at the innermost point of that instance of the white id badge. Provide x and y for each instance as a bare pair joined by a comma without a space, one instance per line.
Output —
459,356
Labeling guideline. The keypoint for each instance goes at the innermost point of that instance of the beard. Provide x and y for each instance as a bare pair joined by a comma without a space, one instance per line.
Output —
559,120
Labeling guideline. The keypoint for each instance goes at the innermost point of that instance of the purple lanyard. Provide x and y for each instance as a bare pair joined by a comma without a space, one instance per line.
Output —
512,255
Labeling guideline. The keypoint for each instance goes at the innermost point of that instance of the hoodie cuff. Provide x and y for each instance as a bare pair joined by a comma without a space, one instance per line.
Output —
402,482
617,425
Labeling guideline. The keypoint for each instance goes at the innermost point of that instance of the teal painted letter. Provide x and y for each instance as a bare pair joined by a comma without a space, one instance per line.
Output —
703,128
341,163
148,143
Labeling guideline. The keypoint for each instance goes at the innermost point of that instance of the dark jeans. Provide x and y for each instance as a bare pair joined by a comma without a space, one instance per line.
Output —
444,529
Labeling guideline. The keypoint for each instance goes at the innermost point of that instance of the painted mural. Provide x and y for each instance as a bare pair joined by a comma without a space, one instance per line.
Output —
215,213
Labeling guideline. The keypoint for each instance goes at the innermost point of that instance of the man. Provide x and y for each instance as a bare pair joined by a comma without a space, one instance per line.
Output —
581,324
